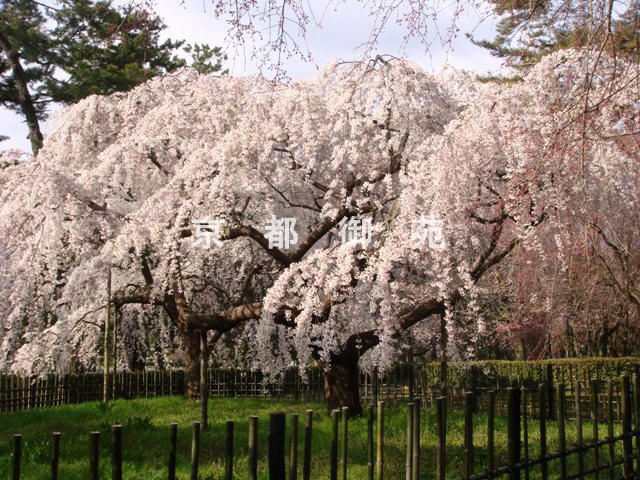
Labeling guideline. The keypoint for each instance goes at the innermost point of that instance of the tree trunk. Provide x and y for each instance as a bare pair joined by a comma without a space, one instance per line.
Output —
340,380
24,97
191,338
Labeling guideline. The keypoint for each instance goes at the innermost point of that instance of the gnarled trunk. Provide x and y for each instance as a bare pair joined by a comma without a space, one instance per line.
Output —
191,339
340,381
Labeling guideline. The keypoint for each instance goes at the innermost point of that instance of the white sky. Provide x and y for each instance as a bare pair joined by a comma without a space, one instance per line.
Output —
342,31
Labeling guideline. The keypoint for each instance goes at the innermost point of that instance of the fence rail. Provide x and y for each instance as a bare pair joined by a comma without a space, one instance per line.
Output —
399,384
607,451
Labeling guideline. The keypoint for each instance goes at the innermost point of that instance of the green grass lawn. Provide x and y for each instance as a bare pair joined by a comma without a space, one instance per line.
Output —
146,439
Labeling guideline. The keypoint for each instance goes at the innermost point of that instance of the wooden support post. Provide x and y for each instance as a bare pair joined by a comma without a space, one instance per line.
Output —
380,443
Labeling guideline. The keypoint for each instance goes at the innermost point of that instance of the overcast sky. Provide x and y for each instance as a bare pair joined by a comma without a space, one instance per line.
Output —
342,30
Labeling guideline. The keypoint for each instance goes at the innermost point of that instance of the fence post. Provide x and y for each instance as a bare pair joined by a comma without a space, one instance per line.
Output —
293,448
579,440
277,424
415,467
408,473
594,421
380,442
491,407
371,463
55,455
253,448
468,435
229,452
173,443
345,440
17,453
627,445
116,455
561,431
610,428
441,455
308,430
513,432
334,445
94,456
195,450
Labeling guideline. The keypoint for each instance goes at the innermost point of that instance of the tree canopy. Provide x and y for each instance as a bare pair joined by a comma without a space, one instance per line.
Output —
516,173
